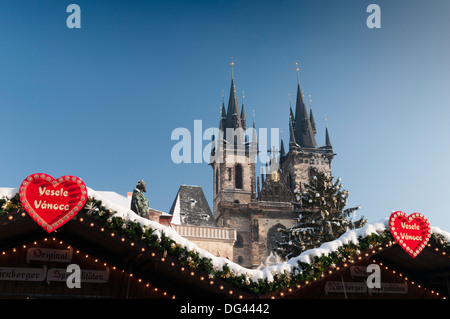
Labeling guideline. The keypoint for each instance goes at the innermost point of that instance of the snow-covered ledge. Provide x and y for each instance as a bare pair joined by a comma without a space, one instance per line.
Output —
351,236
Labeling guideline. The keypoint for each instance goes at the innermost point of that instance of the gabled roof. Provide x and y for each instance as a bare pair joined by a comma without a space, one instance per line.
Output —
161,256
190,207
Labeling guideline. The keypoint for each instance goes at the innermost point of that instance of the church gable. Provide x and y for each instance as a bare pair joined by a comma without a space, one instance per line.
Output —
190,207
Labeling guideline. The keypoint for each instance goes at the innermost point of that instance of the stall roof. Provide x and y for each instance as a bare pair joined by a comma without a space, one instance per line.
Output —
115,234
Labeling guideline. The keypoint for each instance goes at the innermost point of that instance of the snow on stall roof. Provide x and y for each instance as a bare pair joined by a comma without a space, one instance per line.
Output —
267,273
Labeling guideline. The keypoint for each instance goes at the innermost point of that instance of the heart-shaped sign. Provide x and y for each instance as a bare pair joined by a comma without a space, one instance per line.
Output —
410,232
52,202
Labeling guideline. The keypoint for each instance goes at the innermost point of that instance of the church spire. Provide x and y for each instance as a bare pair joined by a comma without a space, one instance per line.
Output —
282,150
327,136
233,115
311,117
254,148
304,134
243,122
223,115
292,141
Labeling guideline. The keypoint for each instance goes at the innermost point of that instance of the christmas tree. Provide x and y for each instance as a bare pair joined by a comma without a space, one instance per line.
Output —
321,216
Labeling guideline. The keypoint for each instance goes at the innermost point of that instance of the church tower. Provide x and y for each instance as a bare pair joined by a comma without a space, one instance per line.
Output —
258,206
304,156
233,158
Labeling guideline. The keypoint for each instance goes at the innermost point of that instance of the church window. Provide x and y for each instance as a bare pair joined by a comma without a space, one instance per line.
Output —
239,243
229,173
238,176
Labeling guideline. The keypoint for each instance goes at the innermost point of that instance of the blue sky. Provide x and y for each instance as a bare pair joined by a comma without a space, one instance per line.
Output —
101,102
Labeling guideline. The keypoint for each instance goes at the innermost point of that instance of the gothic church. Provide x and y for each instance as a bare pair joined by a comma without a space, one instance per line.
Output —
257,205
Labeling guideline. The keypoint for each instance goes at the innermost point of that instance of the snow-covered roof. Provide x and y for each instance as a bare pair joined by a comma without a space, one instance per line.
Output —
268,273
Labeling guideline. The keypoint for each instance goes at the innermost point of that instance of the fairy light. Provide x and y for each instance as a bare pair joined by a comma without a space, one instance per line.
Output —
406,279
138,281
358,255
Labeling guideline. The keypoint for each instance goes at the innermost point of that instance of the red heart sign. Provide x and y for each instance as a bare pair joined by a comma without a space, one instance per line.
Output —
52,202
410,232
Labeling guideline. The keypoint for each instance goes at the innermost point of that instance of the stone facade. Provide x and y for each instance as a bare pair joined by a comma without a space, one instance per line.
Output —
258,206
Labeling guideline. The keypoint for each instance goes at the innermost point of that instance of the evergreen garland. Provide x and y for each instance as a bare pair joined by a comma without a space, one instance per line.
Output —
304,272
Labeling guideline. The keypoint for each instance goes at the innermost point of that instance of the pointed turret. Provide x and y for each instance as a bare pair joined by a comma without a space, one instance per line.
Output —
304,134
243,122
254,148
311,117
292,141
233,114
223,118
327,138
282,150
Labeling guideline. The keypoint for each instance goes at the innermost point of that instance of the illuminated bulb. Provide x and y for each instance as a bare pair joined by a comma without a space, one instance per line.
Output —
221,287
